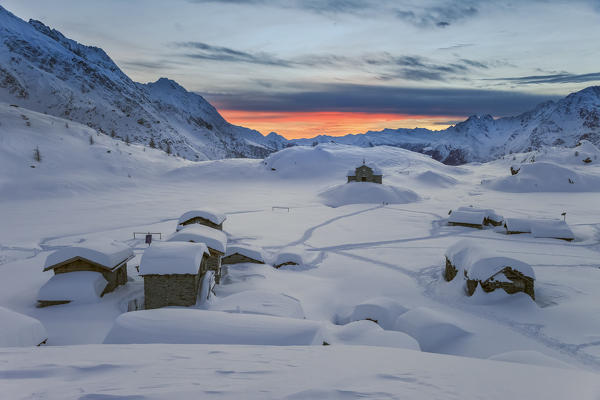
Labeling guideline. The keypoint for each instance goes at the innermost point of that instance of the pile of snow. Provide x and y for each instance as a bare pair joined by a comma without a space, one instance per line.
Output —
260,302
530,357
213,238
480,263
366,193
77,286
366,333
18,330
187,326
382,310
253,252
545,177
209,215
106,253
437,179
173,258
294,255
434,331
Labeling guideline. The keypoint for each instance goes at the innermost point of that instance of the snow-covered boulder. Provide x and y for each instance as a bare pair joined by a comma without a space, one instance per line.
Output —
294,256
18,330
366,193
196,233
209,218
260,302
545,177
366,333
382,310
189,326
77,286
433,330
173,258
487,267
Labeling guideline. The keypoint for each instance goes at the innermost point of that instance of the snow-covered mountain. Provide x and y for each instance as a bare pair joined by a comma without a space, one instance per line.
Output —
483,138
44,71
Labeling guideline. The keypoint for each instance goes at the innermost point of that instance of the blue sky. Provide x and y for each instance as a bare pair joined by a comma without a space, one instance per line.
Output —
421,63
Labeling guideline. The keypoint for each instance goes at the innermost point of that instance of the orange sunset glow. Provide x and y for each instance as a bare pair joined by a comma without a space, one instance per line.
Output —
295,125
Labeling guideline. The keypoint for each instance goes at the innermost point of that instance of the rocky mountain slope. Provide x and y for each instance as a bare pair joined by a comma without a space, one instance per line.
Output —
483,138
44,71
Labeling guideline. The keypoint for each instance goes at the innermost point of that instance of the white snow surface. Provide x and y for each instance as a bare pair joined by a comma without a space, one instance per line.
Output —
529,357
260,302
197,233
481,262
79,286
177,325
212,216
18,330
366,193
171,258
106,253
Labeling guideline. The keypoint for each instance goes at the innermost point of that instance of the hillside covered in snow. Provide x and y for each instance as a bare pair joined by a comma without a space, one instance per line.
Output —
44,71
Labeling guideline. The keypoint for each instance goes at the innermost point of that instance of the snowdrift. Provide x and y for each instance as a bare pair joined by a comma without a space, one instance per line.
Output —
432,178
367,333
433,330
260,302
78,286
366,193
18,330
545,177
187,326
381,310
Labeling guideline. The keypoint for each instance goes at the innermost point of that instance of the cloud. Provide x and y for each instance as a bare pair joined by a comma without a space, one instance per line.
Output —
206,51
383,99
553,78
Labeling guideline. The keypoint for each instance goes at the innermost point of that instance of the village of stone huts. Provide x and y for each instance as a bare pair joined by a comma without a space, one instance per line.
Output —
183,268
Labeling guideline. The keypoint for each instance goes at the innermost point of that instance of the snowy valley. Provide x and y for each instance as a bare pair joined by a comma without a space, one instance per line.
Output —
149,249
365,252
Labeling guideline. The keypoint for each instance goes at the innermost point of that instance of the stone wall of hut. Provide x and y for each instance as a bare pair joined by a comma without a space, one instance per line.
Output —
203,221
238,259
170,290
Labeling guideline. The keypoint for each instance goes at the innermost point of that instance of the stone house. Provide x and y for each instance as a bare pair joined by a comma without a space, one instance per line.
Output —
108,259
173,272
488,268
203,217
215,241
365,173
540,228
241,253
474,217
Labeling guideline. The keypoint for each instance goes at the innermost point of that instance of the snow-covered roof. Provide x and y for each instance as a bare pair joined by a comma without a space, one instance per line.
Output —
256,253
214,217
376,170
467,217
481,263
20,330
80,286
105,253
489,213
294,255
518,225
551,229
197,233
170,258
540,228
